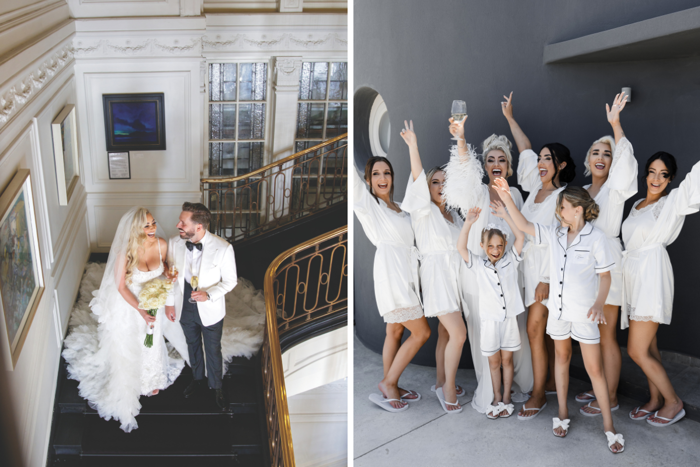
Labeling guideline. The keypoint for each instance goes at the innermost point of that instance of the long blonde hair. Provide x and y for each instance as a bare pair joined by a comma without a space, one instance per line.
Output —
136,239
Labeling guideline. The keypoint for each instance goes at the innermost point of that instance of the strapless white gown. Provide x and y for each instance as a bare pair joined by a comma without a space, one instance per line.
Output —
113,365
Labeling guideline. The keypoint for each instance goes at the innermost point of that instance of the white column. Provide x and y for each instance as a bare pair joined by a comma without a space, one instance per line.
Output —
285,98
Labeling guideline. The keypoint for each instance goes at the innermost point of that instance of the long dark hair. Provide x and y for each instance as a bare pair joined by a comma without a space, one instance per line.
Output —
368,175
560,153
668,160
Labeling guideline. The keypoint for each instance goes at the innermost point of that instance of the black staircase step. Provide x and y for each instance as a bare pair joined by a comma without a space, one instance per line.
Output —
196,435
69,433
241,365
69,400
245,460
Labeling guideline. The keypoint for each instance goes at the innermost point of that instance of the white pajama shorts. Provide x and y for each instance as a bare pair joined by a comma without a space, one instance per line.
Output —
499,335
586,333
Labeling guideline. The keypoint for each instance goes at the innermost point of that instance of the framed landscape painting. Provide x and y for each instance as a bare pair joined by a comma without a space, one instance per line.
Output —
65,152
134,122
21,275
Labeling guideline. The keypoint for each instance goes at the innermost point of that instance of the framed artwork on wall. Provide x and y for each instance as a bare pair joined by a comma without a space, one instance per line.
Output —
134,122
65,153
21,274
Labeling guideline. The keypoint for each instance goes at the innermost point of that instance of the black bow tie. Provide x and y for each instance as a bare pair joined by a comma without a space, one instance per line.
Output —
191,245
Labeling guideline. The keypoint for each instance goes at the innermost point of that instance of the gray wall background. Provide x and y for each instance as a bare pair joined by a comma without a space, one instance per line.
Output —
420,55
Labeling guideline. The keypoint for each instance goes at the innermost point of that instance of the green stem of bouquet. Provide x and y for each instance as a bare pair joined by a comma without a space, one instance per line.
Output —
148,342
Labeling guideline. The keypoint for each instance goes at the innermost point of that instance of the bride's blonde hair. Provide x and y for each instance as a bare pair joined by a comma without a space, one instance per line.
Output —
502,143
136,239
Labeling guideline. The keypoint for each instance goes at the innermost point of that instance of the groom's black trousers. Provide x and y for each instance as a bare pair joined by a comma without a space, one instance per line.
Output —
194,331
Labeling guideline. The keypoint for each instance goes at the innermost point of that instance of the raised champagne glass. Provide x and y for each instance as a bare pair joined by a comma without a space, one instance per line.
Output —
459,111
194,282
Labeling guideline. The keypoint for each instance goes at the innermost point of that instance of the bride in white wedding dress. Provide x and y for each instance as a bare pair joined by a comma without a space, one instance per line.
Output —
114,367
105,349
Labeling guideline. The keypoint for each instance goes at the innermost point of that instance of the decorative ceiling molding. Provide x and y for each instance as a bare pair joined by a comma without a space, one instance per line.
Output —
137,47
15,95
281,42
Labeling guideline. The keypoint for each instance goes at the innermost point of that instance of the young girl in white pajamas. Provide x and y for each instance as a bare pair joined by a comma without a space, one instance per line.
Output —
464,188
580,262
500,301
396,283
544,176
437,230
613,169
654,223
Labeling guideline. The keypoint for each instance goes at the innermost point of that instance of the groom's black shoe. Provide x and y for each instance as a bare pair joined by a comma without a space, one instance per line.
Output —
195,386
221,399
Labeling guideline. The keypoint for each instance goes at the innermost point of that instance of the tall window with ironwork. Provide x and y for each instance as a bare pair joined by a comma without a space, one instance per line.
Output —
323,103
237,111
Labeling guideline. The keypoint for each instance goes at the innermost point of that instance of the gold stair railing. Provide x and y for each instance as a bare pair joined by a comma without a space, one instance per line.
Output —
292,188
303,284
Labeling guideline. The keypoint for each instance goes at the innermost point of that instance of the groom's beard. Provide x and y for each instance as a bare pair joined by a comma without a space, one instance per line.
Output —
185,235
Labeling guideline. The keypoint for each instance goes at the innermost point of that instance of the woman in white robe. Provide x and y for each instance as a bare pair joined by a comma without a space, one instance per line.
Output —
613,169
543,176
464,188
437,231
654,223
396,283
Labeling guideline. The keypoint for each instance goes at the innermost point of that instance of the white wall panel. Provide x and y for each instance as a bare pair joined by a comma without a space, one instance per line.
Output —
117,8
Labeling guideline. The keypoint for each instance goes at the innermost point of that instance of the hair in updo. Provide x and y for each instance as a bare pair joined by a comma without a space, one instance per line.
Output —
500,142
668,160
578,196
560,153
609,140
368,175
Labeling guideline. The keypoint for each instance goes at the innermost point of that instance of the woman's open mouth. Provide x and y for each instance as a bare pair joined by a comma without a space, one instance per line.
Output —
497,172
655,185
543,173
600,166
151,234
382,186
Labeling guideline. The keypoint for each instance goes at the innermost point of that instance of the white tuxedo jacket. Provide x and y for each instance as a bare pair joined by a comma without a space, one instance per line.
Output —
217,276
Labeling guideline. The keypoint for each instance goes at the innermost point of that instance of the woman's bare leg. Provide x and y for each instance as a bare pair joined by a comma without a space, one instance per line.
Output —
420,332
508,372
392,342
593,361
612,359
457,331
549,384
642,348
536,326
495,369
443,337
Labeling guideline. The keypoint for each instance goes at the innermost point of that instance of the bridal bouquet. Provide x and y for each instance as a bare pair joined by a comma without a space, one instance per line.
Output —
152,297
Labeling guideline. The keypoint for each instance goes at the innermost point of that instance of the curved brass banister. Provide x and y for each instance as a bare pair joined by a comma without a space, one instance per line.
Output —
277,412
274,196
276,163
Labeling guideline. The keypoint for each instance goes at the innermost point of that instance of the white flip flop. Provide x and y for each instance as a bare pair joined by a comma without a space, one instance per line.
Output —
460,390
386,403
506,409
444,403
556,423
615,438
525,409
587,397
586,414
411,393
670,421
637,410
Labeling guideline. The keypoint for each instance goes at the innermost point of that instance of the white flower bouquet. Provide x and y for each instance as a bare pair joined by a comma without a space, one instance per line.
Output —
153,296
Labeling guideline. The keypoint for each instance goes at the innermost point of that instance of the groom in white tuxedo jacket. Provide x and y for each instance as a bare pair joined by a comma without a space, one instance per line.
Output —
201,254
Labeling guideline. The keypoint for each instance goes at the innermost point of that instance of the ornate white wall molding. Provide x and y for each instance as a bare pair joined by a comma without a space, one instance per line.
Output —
22,89
137,47
274,42
287,71
291,6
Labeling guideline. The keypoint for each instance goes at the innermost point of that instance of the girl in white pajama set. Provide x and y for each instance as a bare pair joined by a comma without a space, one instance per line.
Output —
396,283
465,189
653,224
579,253
500,301
437,230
